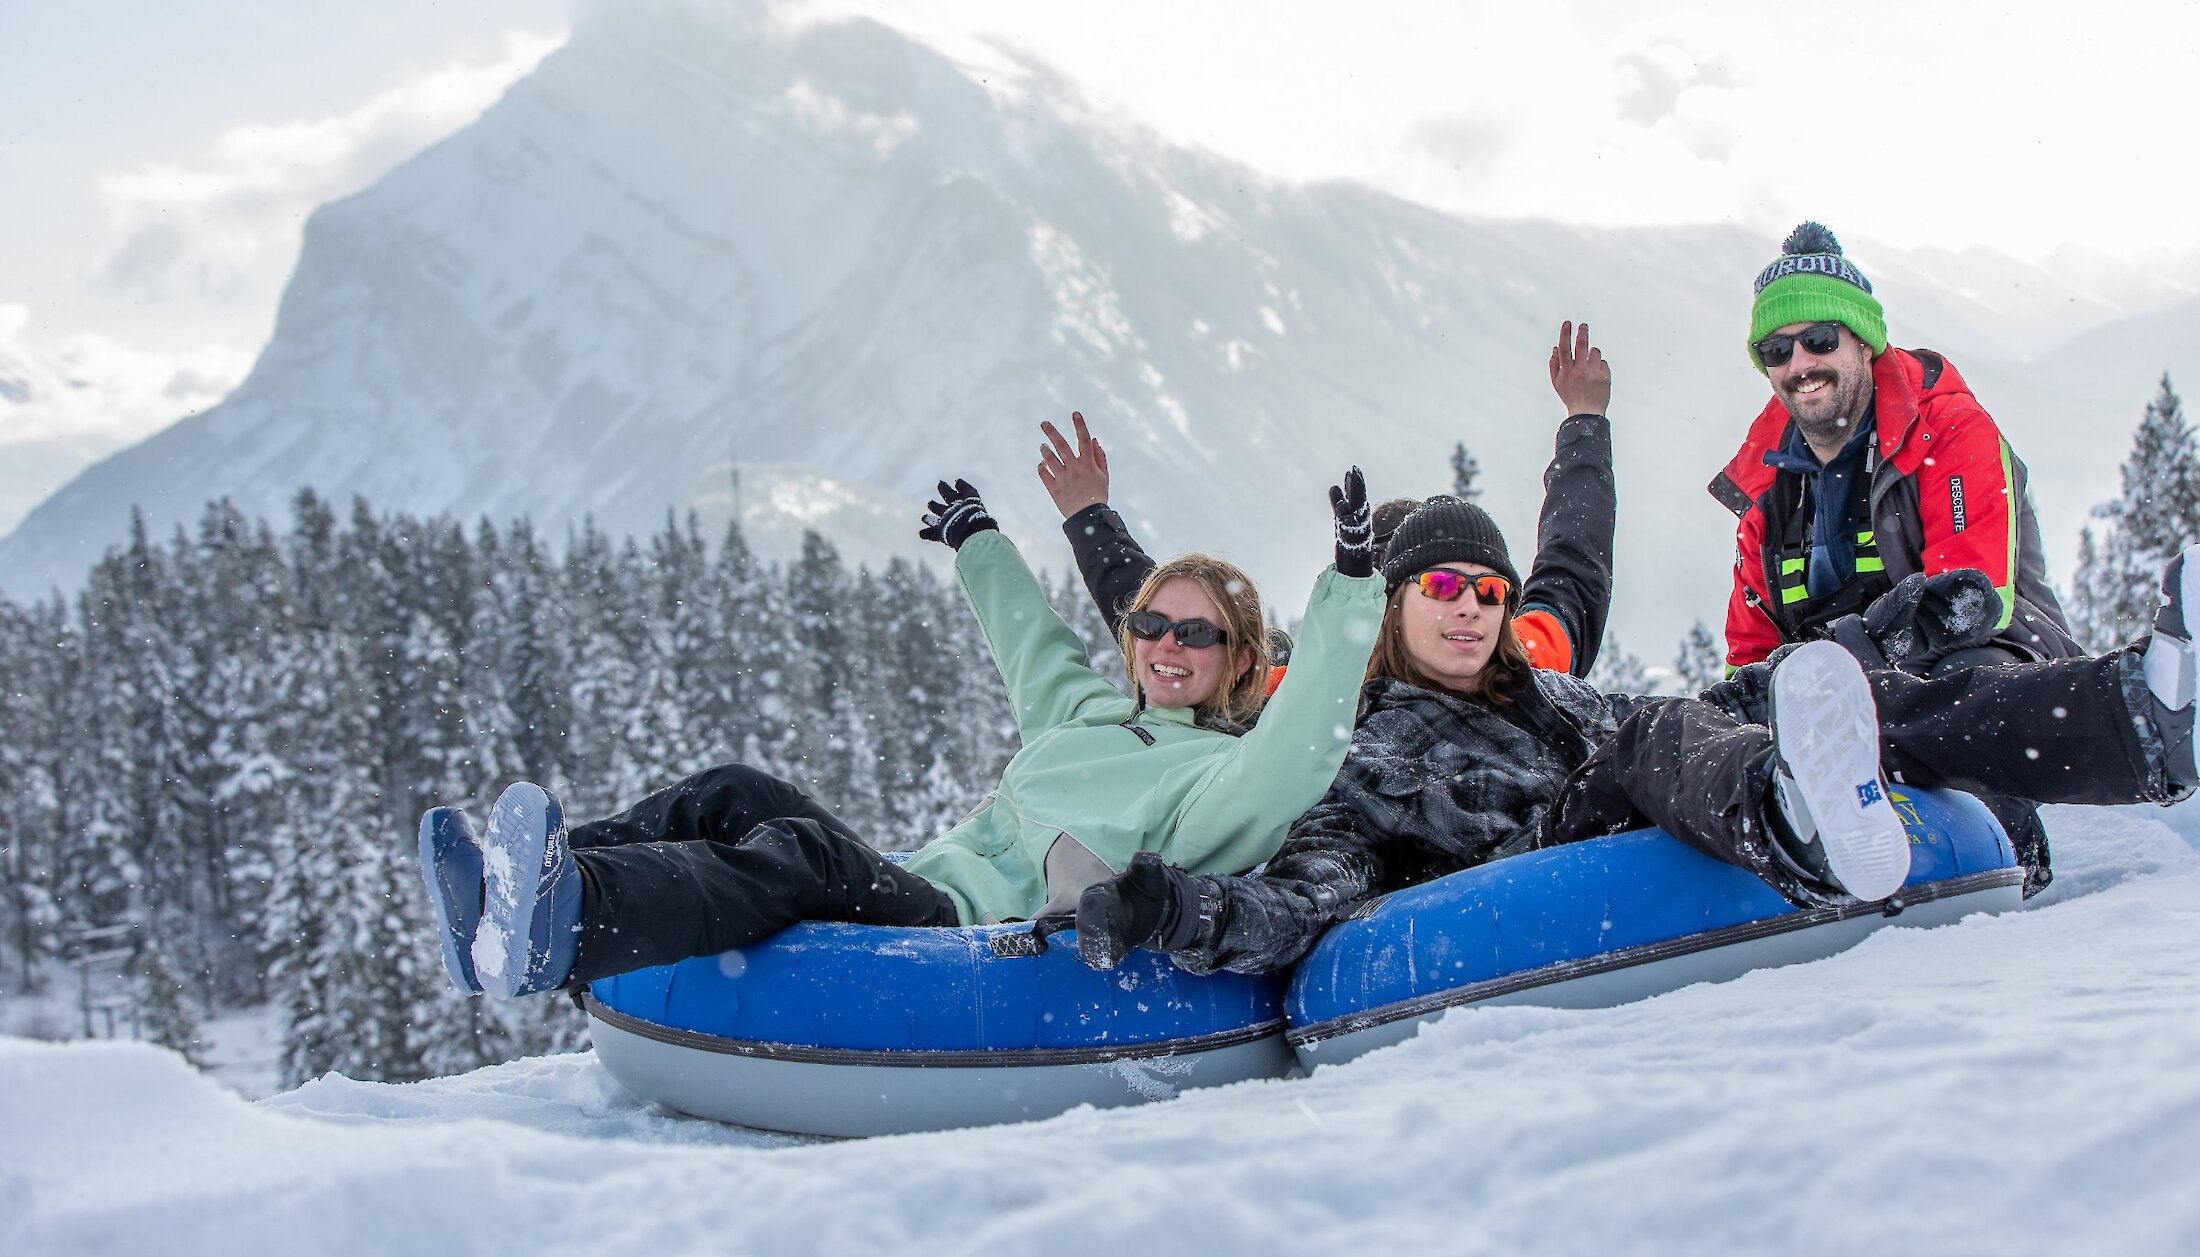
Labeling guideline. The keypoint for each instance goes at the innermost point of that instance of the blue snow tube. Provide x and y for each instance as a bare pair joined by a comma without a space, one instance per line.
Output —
835,1029
1599,923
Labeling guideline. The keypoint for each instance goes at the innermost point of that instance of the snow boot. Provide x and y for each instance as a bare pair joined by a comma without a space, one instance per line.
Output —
531,906
1795,834
2171,667
1826,728
450,862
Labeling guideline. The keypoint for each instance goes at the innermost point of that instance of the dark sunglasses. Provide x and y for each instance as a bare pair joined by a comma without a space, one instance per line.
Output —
1190,634
1445,585
1819,338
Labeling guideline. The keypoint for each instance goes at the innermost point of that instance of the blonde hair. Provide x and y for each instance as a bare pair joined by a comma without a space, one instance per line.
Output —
1234,596
1492,686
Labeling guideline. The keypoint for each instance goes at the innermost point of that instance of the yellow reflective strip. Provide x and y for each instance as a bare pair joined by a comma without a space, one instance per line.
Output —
1794,594
1864,538
1869,565
1789,567
2008,592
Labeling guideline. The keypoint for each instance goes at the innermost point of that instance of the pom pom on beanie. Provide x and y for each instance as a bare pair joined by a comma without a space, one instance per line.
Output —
1812,282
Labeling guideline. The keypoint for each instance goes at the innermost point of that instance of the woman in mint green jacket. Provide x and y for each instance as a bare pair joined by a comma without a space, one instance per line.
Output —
732,855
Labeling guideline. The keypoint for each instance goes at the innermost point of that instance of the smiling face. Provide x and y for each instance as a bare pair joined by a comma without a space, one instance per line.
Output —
1449,642
1826,394
1177,676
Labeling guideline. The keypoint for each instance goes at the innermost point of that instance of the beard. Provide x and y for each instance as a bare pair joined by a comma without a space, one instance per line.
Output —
1829,417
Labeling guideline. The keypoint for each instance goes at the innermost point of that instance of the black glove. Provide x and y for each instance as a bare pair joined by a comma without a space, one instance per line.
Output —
1143,906
1853,636
1923,620
1355,526
1745,695
960,516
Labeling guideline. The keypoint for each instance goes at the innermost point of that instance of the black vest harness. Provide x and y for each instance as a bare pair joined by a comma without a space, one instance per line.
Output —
1798,616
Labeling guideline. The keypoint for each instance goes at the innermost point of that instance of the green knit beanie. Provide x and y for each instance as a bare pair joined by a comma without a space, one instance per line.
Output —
1811,282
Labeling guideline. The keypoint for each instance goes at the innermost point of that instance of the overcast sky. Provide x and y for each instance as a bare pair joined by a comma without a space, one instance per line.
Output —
156,160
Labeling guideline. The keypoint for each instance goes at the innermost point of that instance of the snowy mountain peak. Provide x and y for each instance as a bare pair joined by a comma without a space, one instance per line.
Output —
701,233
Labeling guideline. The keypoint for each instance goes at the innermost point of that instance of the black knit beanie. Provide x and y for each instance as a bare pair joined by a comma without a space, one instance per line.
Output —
1446,530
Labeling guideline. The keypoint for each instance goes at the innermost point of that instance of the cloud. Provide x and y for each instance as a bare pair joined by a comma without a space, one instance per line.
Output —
1653,79
1910,124
89,386
1471,144
224,226
67,403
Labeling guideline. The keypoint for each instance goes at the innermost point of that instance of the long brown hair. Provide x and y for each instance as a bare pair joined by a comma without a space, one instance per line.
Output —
1492,687
1234,596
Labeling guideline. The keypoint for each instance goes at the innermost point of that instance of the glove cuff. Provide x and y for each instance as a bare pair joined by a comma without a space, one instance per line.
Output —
1188,918
963,519
1356,547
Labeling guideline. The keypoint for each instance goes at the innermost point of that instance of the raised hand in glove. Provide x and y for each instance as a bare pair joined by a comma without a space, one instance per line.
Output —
1355,526
957,517
1146,905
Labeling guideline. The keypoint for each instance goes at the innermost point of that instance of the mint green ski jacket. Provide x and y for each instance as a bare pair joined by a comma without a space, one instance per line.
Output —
1203,799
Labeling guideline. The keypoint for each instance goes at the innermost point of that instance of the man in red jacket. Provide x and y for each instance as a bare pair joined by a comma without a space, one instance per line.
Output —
1870,464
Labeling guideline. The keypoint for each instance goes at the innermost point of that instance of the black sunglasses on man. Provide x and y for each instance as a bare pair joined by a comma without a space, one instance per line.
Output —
1818,338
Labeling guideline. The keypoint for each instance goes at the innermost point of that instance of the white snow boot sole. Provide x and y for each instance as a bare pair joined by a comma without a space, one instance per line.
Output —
2170,672
1827,729
512,854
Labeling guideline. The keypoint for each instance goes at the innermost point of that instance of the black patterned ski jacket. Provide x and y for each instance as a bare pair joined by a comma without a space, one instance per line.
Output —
1433,784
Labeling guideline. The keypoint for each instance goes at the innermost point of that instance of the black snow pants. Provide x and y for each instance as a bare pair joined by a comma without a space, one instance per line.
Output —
721,860
2062,731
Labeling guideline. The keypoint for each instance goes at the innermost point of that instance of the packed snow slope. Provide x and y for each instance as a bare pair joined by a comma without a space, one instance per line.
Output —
698,234
2021,1084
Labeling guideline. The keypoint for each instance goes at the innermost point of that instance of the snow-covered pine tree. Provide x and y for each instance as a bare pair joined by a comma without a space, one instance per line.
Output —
240,618
915,730
346,950
182,894
2116,587
99,779
129,865
2090,587
1465,472
164,1008
1700,663
745,707
452,708
332,787
538,680
675,664
832,629
483,652
373,594
599,623
35,653
441,761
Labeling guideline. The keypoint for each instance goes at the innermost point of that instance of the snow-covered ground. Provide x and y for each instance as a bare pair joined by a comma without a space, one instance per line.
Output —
2026,1083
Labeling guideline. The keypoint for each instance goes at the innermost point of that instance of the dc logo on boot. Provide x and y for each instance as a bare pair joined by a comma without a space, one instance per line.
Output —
1867,794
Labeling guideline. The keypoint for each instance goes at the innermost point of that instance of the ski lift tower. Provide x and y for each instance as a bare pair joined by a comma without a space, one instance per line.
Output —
93,949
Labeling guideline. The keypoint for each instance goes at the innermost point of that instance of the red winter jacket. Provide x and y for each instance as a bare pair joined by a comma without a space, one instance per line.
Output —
1947,492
